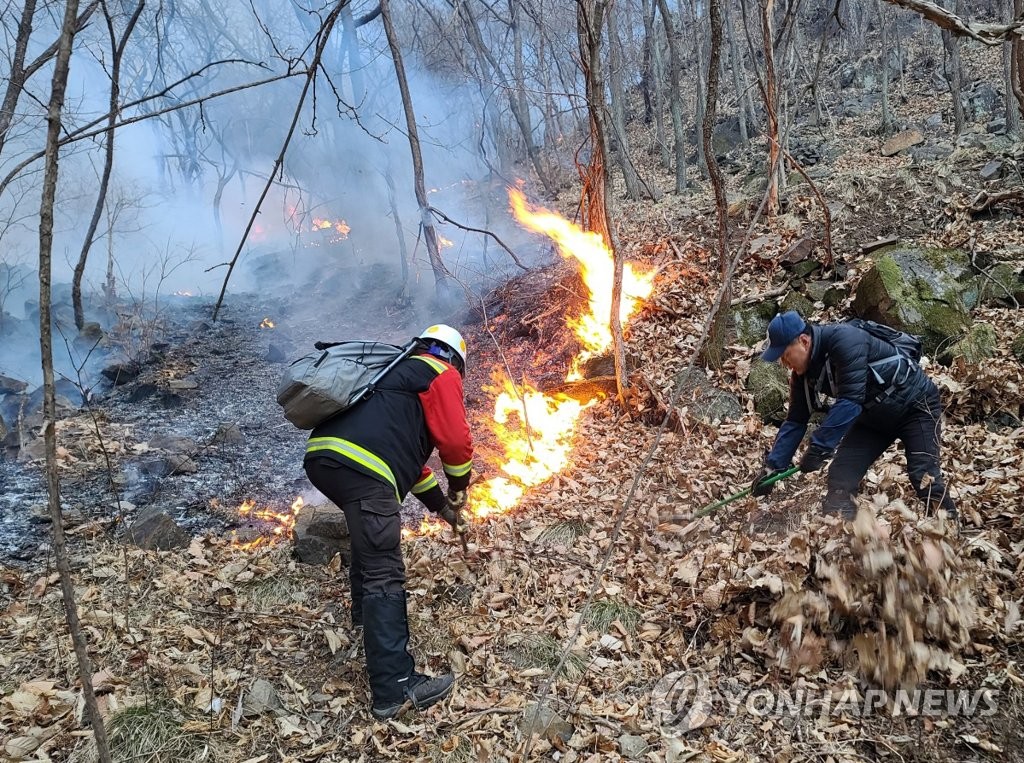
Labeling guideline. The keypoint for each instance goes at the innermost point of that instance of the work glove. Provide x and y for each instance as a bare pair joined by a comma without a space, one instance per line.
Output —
452,514
814,458
457,498
757,488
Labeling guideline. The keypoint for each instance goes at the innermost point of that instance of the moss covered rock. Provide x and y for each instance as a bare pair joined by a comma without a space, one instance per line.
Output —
1017,348
752,322
976,346
1002,286
923,291
797,301
769,385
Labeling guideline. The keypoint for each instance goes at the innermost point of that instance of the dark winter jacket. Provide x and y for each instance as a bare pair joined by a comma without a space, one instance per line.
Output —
417,407
871,383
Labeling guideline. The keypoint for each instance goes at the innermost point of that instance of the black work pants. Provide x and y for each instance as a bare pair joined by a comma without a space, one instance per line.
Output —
377,573
920,432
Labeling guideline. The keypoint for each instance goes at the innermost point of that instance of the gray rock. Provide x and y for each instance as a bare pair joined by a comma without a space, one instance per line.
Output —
546,722
261,698
901,142
179,463
228,433
933,121
982,99
997,126
752,322
631,746
706,402
180,384
321,532
122,372
173,443
992,170
931,153
276,354
11,386
156,530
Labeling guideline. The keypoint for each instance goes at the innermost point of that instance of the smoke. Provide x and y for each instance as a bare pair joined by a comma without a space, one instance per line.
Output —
185,184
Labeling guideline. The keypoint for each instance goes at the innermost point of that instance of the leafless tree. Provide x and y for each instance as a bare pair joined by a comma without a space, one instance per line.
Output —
53,130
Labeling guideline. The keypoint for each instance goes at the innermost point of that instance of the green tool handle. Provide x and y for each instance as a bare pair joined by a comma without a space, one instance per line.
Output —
743,493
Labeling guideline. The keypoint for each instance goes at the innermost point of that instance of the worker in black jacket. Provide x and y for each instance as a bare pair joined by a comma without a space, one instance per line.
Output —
366,459
880,397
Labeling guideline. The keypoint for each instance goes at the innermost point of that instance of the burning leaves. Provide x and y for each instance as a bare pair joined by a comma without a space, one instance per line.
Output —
597,268
266,323
272,525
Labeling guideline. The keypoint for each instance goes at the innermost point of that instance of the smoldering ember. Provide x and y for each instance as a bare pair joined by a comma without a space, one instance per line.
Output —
473,381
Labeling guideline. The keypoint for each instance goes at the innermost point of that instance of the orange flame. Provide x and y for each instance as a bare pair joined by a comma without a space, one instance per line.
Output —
281,524
341,228
597,268
538,445
444,243
267,324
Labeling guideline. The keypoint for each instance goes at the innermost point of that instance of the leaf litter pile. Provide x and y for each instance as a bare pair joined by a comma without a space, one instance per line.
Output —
215,653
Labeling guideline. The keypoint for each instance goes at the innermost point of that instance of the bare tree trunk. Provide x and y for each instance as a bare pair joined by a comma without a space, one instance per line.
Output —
597,188
647,75
16,79
53,129
355,61
738,81
883,59
713,353
698,95
116,55
653,44
618,96
521,107
954,75
675,95
1014,66
771,103
403,253
426,220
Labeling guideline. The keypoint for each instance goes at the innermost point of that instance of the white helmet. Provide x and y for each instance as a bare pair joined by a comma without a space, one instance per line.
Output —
450,339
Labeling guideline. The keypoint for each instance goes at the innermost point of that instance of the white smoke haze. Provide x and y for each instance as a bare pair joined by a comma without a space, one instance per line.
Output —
184,184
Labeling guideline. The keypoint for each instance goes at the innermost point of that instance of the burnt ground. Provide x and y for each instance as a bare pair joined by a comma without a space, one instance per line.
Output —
165,428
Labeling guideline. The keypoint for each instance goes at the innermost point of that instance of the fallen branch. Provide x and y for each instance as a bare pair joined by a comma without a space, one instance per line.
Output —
990,34
985,200
761,296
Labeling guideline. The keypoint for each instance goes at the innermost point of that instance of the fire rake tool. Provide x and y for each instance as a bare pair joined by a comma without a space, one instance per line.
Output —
712,507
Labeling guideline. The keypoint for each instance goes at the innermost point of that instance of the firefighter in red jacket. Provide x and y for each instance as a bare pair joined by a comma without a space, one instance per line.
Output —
366,459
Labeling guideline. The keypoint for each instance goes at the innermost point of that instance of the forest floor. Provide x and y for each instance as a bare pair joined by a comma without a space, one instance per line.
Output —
763,632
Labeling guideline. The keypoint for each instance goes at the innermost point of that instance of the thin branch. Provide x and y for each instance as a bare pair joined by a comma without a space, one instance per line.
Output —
324,36
484,231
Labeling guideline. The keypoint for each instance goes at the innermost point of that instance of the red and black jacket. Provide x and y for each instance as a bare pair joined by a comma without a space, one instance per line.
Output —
417,407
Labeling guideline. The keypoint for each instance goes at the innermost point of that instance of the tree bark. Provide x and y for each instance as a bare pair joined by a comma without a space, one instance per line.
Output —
618,96
597,184
1016,74
21,73
116,55
675,95
698,98
713,353
738,80
53,129
426,220
990,34
886,126
521,107
954,75
403,254
771,103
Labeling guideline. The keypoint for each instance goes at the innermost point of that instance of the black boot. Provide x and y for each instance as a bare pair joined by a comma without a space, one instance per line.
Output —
393,680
